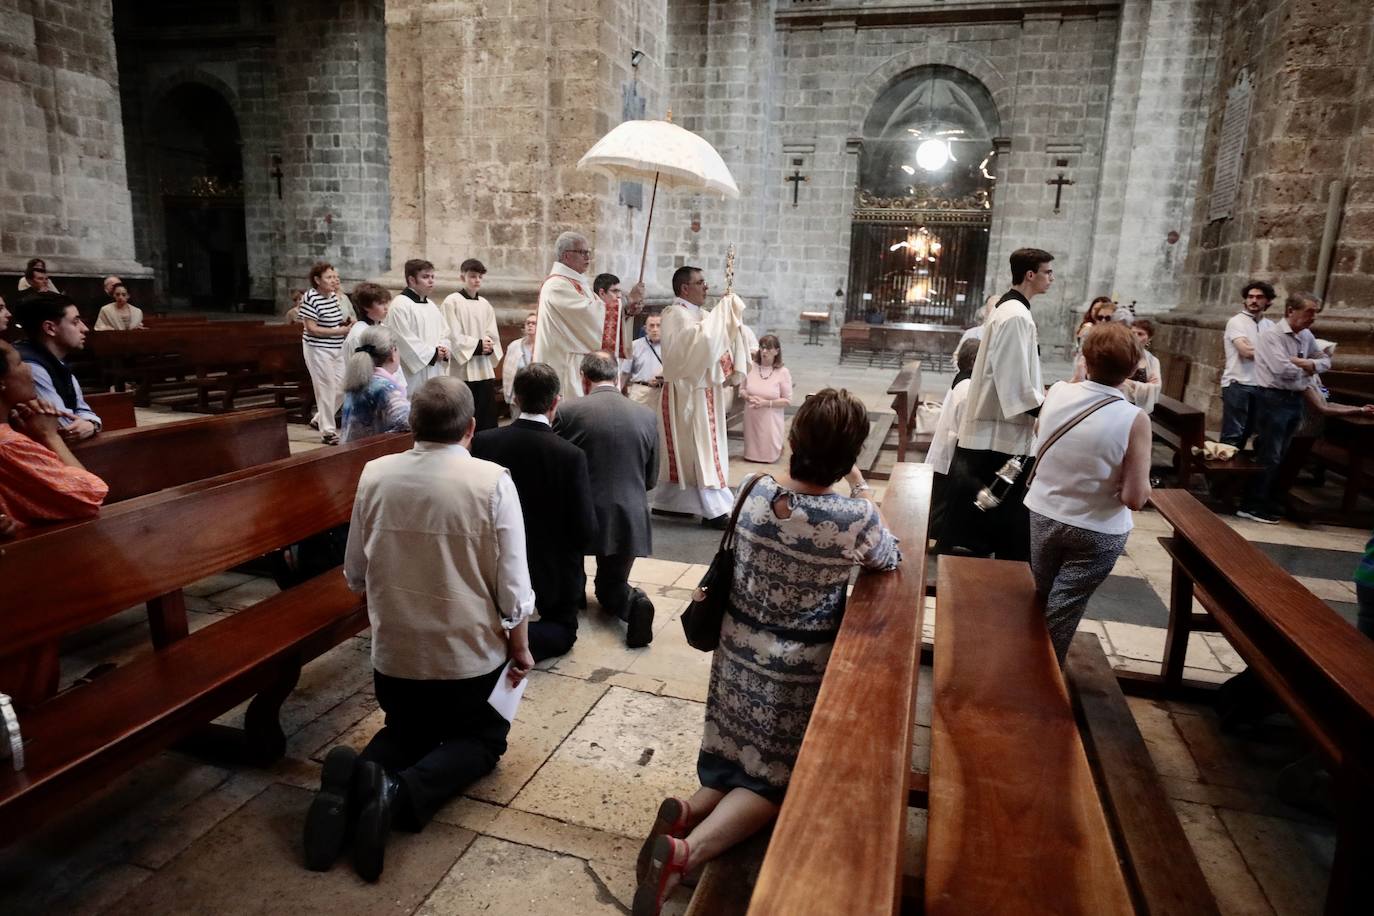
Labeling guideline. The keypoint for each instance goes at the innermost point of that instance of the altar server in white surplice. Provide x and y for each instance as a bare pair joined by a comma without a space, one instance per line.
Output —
419,327
476,341
702,353
573,319
1004,397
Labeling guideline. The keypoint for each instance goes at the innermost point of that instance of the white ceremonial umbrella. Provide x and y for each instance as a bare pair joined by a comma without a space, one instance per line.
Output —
664,153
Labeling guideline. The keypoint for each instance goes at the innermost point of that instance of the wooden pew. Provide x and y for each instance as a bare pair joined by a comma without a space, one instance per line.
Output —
1315,664
906,398
1182,428
838,843
115,410
1160,866
144,460
147,550
1015,824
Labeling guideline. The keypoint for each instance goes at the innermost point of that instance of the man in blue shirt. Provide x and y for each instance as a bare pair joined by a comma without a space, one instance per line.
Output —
1286,359
55,329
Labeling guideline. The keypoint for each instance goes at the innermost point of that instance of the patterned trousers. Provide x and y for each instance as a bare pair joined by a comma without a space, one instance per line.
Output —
1069,563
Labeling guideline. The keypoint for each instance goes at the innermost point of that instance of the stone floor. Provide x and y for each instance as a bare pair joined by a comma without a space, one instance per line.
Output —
602,735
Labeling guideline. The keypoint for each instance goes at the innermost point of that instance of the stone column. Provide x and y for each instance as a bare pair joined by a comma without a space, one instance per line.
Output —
1161,87
331,64
1311,121
489,116
64,193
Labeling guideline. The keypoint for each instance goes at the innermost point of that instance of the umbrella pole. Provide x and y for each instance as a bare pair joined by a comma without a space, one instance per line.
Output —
644,255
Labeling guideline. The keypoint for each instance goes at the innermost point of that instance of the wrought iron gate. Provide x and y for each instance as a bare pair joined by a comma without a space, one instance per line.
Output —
917,265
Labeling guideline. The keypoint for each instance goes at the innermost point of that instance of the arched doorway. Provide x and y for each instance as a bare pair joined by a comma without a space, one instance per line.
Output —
923,205
197,151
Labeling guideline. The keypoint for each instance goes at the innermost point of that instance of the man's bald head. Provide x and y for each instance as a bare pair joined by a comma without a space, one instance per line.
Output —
599,367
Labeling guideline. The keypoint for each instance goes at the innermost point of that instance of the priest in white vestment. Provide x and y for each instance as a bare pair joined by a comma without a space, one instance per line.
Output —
574,320
476,342
1004,396
702,353
421,333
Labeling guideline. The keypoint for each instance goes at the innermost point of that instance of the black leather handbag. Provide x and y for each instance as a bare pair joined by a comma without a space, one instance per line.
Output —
702,620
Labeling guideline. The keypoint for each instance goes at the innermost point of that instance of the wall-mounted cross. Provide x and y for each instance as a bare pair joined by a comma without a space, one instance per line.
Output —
795,179
1059,184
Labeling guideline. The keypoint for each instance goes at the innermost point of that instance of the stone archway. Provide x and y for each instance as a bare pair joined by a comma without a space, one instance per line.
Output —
194,160
923,190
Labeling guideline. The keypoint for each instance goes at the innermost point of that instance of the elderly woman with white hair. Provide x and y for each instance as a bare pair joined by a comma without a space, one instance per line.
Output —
374,387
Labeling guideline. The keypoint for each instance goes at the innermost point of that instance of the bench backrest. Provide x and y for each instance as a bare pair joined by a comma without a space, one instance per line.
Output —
907,383
1312,657
1183,420
837,846
115,410
1175,370
1015,823
153,545
146,459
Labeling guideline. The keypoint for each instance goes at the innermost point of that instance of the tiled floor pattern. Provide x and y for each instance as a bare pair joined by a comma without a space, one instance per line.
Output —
602,735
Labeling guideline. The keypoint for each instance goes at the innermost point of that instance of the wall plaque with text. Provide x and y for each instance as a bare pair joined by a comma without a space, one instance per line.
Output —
1235,124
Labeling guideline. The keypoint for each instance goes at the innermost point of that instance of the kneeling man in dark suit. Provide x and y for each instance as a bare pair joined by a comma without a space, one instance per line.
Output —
620,439
556,500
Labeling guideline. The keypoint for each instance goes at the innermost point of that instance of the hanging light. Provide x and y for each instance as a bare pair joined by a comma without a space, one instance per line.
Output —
933,155
908,169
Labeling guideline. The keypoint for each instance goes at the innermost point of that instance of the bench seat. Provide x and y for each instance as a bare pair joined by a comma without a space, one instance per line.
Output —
75,740
1015,825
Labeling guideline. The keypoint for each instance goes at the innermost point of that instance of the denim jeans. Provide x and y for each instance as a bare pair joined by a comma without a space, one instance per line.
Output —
1238,413
1279,412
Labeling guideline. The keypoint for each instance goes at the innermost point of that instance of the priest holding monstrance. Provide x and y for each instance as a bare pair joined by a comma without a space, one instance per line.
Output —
573,320
702,353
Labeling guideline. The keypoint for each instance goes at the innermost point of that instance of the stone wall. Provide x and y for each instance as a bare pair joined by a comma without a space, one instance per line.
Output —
1311,121
331,74
63,190
799,87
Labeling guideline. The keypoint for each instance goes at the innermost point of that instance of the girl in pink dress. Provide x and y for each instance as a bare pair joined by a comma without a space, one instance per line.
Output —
767,392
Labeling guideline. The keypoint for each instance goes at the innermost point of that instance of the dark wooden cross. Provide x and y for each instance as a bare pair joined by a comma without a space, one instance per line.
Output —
796,178
276,173
1059,184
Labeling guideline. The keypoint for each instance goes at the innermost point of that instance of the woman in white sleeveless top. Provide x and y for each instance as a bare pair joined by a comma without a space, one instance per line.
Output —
1088,482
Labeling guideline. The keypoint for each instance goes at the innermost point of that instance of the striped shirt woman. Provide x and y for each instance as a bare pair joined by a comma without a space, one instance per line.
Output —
323,341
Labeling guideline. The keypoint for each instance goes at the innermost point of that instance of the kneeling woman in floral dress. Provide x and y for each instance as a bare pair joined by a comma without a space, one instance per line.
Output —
796,543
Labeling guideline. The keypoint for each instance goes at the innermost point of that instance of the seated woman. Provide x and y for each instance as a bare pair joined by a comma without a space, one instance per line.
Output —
798,543
518,355
1145,383
374,388
121,314
40,479
1085,484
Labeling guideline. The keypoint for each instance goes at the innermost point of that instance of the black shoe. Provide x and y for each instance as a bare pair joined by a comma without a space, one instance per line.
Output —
720,522
640,631
331,814
377,791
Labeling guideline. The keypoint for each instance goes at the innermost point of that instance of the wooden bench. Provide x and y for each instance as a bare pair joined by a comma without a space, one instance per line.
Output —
163,359
148,550
906,398
115,410
1160,866
1315,664
146,459
837,846
1182,428
1015,823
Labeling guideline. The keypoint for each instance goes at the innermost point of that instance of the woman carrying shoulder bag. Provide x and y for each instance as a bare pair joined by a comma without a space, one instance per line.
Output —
1091,471
797,542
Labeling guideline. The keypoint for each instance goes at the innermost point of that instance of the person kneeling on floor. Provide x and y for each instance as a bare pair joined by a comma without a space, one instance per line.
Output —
437,544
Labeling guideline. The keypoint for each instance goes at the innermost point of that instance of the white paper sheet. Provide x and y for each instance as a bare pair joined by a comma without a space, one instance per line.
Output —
505,698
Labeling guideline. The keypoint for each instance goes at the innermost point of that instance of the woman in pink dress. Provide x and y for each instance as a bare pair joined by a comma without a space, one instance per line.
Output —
767,392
